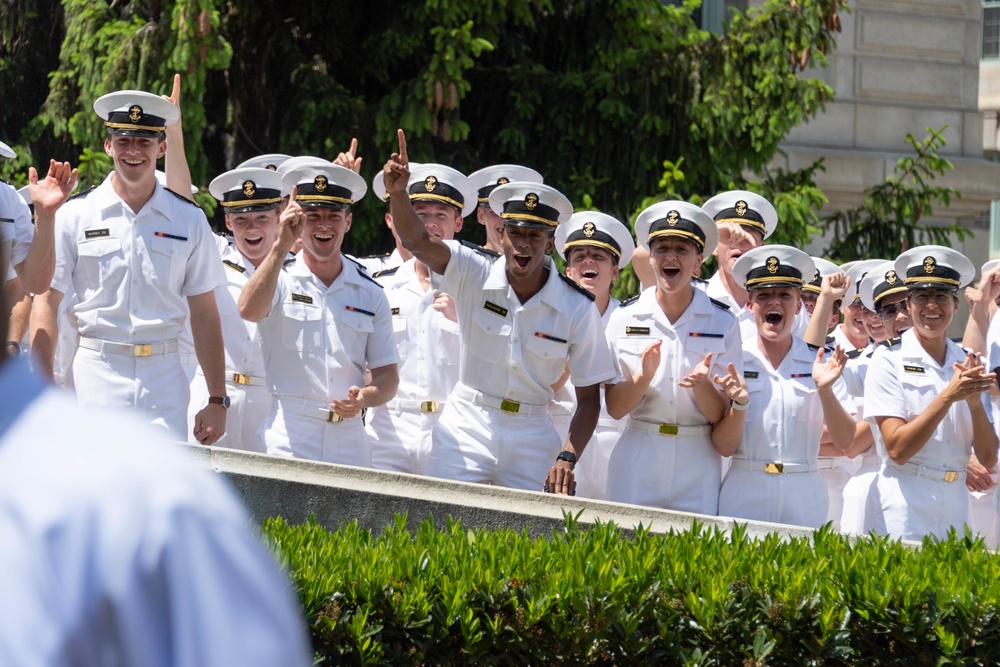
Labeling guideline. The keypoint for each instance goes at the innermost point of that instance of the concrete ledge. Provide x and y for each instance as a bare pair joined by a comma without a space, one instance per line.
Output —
294,489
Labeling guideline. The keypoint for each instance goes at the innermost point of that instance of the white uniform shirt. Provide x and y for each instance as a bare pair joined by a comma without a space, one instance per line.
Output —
118,550
375,263
318,340
516,351
132,271
428,343
16,230
784,422
841,339
903,380
703,328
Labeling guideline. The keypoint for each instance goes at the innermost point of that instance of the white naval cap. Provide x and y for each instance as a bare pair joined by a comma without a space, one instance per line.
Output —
680,219
880,282
323,184
935,266
6,151
856,271
250,189
530,205
599,230
773,266
136,113
486,180
267,161
824,268
988,266
378,183
161,178
443,185
745,208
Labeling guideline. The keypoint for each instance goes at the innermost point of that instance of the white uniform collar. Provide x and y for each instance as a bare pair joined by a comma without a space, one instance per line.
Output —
105,197
551,292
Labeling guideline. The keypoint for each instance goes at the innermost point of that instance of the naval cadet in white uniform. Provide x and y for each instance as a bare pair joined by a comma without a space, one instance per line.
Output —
521,324
425,326
930,400
485,181
773,475
323,322
669,344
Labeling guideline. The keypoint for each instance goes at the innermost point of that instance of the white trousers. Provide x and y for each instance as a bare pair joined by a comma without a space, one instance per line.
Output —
291,435
797,499
249,406
591,472
400,439
914,507
859,513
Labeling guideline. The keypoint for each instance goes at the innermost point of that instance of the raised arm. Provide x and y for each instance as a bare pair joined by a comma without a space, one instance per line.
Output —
47,194
428,249
257,295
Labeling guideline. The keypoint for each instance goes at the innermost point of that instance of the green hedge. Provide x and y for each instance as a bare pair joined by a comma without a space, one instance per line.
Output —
588,596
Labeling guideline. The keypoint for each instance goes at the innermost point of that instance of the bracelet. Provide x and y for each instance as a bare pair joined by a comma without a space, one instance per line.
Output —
741,408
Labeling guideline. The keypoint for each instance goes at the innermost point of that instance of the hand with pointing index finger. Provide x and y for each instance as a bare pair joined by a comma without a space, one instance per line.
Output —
396,172
350,158
291,222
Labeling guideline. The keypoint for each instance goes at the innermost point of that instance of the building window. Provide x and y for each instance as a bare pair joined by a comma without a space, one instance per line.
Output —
991,30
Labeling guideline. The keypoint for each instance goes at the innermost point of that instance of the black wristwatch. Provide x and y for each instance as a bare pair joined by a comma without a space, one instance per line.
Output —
219,400
567,456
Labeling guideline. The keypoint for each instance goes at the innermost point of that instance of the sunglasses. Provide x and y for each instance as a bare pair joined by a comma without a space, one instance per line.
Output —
889,310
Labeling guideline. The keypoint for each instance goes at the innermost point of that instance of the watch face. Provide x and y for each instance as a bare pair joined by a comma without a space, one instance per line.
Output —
225,401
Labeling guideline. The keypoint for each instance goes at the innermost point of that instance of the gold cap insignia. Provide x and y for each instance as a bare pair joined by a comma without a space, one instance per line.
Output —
815,276
430,183
589,229
320,183
249,188
772,265
531,201
503,180
929,265
673,217
890,277
135,113
272,167
741,208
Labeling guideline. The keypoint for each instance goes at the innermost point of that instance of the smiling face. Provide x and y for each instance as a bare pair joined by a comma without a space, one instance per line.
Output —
674,262
254,232
493,224
856,318
774,310
324,231
594,269
439,220
135,157
932,311
525,249
895,315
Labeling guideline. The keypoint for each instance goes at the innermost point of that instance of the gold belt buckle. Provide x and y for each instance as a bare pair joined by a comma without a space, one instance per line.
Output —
668,429
509,406
430,406
241,378
142,350
333,417
774,468
951,476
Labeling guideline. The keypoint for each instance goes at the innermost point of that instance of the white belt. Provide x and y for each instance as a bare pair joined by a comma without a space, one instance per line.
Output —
501,404
313,409
128,349
669,429
773,467
401,405
920,470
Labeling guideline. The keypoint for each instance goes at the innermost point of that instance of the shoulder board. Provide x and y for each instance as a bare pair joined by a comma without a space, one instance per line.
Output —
629,301
378,255
572,283
83,193
699,281
288,262
891,342
234,266
830,341
363,273
854,354
182,198
361,267
718,304
815,348
480,249
385,272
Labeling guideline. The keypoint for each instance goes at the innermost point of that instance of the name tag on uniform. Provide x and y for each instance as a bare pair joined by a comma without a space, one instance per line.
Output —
539,334
234,266
913,369
355,309
301,298
175,237
636,331
751,375
395,311
695,334
494,308
94,233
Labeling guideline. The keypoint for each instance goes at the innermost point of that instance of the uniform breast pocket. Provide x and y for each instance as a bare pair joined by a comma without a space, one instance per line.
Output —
918,392
399,335
758,399
490,335
302,327
355,329
806,406
98,260
548,356
169,257
630,351
696,348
